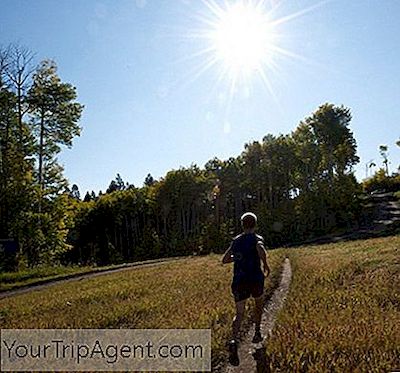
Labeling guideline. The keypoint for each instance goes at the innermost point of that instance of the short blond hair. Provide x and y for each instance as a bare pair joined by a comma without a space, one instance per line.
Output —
249,220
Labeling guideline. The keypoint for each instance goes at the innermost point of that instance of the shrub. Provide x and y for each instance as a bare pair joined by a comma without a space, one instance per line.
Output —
380,181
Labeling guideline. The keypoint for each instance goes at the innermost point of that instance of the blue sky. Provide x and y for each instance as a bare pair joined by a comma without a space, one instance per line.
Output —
146,111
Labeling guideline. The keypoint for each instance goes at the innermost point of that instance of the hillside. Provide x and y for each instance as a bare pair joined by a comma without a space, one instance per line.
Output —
343,309
342,312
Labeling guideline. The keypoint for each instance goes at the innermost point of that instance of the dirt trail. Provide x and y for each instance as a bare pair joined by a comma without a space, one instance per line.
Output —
81,276
252,355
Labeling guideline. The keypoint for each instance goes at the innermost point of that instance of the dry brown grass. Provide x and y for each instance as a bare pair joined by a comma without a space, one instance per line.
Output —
191,293
343,310
342,313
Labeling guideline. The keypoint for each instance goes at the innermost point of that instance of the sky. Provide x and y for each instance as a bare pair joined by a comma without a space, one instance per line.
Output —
149,107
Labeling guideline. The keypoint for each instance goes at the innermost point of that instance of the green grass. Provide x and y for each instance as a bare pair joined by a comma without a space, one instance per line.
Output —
342,313
43,274
343,310
190,293
12,280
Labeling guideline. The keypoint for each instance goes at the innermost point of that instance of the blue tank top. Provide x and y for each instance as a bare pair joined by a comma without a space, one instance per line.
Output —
247,266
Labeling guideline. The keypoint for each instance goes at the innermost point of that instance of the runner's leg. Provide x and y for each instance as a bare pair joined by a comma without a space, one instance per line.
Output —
237,320
259,303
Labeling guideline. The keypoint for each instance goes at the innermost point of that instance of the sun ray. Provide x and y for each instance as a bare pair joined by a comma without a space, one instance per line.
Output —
199,70
239,36
200,53
214,7
243,41
268,85
288,53
296,56
298,14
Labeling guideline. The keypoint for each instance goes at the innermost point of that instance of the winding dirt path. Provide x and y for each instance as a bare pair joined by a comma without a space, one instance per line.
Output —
252,355
81,276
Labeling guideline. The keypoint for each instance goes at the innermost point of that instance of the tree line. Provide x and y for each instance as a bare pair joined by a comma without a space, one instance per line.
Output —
301,184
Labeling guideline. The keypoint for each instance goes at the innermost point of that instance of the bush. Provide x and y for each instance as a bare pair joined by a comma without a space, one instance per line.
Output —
380,181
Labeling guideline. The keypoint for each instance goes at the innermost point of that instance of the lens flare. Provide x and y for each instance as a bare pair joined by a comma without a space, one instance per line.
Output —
243,38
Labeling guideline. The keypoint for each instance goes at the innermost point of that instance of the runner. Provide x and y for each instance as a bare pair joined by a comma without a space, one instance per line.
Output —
246,252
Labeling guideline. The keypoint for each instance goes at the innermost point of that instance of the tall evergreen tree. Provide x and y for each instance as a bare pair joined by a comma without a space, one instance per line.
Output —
87,197
383,151
149,180
75,192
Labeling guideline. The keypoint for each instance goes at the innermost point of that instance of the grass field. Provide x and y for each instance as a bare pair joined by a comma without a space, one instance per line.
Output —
342,313
191,293
343,310
43,274
13,280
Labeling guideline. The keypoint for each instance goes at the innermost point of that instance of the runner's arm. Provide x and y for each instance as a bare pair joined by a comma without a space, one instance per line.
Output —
263,256
228,256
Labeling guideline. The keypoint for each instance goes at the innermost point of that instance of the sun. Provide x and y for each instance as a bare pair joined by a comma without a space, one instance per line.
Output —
242,38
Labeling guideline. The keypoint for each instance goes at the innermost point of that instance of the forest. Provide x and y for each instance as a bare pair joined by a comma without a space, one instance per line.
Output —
301,185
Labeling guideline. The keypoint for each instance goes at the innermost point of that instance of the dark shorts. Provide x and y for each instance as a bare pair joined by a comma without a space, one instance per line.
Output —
245,290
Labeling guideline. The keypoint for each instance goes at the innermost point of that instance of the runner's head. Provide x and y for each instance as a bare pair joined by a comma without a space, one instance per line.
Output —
249,221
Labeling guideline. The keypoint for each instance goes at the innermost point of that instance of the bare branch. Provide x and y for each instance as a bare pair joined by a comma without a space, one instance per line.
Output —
4,63
20,67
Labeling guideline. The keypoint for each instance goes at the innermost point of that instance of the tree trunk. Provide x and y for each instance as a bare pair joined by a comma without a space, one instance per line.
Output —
19,104
41,144
4,210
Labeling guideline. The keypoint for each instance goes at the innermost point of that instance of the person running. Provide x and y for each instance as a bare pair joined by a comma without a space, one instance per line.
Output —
247,251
